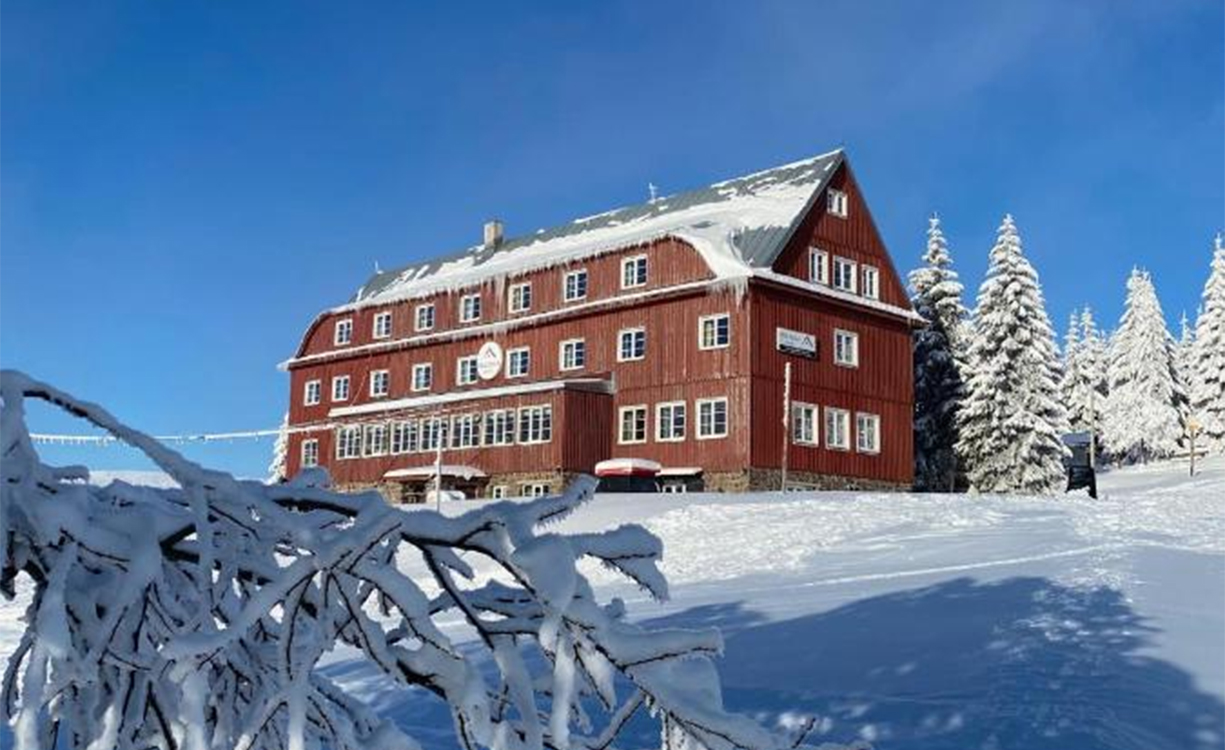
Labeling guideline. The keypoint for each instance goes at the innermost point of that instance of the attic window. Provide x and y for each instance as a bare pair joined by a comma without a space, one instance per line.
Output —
836,203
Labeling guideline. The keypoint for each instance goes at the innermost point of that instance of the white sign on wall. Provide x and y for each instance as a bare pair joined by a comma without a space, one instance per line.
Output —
489,360
797,343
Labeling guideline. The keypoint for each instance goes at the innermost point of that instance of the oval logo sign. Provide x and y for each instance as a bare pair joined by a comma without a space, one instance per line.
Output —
489,360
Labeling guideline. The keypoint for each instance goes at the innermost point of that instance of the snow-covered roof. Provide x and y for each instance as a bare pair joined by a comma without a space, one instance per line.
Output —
429,471
737,225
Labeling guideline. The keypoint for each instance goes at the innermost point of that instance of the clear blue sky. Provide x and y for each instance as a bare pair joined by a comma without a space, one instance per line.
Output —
186,184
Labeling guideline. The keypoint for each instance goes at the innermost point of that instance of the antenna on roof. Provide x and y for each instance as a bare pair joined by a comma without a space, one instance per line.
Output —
653,190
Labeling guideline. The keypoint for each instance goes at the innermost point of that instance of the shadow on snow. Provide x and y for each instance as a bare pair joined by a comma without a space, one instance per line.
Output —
1018,663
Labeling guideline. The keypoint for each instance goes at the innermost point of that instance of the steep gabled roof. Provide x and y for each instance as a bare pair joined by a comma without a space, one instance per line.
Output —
737,225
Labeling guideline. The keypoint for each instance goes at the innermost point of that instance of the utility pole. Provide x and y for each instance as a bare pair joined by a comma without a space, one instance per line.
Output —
438,465
786,422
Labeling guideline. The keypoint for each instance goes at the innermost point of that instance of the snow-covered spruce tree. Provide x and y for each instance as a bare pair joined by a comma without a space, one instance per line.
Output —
1067,376
195,618
1208,370
1084,379
938,354
1184,357
1011,421
1142,419
278,470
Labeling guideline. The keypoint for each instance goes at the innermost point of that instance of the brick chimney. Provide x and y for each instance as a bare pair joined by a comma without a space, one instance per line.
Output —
493,233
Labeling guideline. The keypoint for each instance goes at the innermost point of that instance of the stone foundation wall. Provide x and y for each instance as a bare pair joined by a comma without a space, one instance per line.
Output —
747,480
765,480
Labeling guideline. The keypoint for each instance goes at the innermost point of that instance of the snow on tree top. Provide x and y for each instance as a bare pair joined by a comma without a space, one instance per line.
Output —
737,225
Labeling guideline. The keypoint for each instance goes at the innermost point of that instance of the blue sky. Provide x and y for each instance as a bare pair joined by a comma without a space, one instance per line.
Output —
186,184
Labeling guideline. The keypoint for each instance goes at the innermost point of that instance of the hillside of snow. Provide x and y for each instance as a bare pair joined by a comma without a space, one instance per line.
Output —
932,621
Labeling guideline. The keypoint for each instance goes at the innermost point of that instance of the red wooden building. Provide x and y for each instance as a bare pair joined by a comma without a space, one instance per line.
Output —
660,331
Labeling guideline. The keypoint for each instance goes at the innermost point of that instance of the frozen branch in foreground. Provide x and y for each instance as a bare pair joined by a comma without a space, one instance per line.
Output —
195,617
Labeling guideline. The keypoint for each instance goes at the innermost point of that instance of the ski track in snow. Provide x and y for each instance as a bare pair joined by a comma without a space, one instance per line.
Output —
930,621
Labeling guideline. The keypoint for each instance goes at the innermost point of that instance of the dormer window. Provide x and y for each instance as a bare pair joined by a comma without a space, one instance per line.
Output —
520,298
343,333
836,203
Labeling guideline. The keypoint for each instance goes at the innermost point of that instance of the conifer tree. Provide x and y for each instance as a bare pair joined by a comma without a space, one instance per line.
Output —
278,469
1068,377
1208,376
1142,419
1011,421
936,295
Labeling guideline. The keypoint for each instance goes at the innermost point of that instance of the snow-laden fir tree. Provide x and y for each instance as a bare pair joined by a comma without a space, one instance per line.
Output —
1142,415
1184,358
936,295
1208,377
1011,421
278,470
1067,376
195,618
1084,380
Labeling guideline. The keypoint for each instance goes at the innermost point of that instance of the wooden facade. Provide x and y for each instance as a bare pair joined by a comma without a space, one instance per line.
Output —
586,402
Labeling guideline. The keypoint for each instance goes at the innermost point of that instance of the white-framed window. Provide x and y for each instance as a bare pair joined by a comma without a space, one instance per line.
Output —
714,331
846,348
670,418
382,325
348,442
500,427
433,434
312,393
404,437
844,274
376,439
633,422
871,282
465,370
818,265
340,388
836,202
498,491
574,285
518,362
423,317
632,344
469,308
465,430
804,424
712,418
837,429
634,272
867,433
674,487
572,354
535,424
520,297
310,453
423,376
343,333
535,489
380,383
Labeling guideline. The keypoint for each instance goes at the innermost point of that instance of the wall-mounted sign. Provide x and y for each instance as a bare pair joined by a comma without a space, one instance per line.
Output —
489,360
796,343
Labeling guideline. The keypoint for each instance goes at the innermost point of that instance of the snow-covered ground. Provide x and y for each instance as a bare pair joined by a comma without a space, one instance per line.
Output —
935,621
